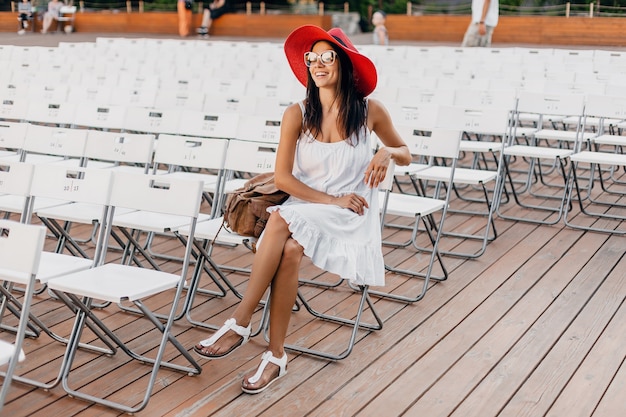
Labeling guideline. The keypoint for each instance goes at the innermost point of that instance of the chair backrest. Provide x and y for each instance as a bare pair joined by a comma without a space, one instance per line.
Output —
13,108
419,115
442,142
51,112
172,99
487,120
259,128
229,103
551,104
123,148
57,141
15,178
101,116
152,120
81,185
208,125
605,106
187,151
235,87
133,97
156,193
12,135
20,249
255,157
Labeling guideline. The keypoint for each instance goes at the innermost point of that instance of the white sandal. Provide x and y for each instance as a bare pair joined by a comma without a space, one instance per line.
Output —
230,324
266,358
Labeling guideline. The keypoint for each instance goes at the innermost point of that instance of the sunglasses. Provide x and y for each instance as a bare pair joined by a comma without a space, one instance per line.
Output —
326,58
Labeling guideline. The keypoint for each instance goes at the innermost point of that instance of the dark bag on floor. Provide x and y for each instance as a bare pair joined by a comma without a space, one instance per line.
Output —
245,211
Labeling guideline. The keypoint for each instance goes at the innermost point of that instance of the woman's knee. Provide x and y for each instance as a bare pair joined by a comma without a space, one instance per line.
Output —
292,251
276,223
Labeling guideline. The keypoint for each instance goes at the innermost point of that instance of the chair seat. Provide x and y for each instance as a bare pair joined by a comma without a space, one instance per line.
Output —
410,169
15,203
232,185
479,146
153,222
461,175
53,265
524,131
77,212
209,179
564,135
6,352
33,158
115,283
534,117
537,152
615,140
411,205
207,229
603,158
592,121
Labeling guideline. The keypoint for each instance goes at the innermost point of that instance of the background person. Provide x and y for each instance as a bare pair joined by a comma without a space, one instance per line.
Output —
53,12
484,20
184,8
216,9
326,164
25,11
381,37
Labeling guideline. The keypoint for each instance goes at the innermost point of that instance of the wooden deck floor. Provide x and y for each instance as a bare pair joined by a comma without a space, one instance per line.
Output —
534,327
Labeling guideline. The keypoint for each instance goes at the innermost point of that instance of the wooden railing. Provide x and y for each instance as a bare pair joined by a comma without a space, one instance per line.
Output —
554,30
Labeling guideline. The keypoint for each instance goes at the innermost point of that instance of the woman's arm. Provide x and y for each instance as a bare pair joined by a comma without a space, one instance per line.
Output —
379,121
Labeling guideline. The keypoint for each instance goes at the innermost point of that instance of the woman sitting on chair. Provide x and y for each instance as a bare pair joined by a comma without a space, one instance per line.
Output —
54,9
326,164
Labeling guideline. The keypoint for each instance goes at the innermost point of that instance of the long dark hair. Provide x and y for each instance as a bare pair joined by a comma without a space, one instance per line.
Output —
352,108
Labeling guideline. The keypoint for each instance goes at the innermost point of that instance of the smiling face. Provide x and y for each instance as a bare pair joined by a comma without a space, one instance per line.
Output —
324,75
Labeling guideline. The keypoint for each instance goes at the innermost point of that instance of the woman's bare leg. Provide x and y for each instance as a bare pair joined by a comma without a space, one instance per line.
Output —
282,299
264,268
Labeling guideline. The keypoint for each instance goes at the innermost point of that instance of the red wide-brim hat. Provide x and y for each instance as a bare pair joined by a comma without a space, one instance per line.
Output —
301,40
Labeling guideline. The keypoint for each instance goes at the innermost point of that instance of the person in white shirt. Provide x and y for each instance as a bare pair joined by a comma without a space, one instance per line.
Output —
484,20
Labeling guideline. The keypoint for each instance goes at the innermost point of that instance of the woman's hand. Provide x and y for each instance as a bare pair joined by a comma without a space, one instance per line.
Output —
353,202
377,168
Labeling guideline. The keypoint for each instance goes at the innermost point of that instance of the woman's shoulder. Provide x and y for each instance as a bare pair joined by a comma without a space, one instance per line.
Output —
294,110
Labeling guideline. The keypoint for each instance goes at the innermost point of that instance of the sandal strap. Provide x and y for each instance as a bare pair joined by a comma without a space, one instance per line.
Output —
230,324
267,358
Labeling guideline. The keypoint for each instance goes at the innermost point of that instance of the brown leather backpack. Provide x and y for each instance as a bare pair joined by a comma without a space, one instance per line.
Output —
245,212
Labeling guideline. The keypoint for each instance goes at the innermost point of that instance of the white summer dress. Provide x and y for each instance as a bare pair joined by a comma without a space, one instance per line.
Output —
336,239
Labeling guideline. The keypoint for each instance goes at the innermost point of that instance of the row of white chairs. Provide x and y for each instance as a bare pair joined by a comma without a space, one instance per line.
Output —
229,124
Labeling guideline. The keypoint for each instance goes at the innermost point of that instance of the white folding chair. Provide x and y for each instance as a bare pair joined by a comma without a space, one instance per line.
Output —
93,115
197,158
206,124
259,128
15,187
118,283
420,116
56,113
12,136
470,183
152,120
20,249
175,99
82,192
442,143
535,169
48,144
229,103
602,156
14,108
241,156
